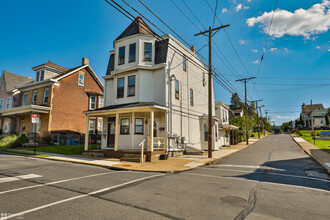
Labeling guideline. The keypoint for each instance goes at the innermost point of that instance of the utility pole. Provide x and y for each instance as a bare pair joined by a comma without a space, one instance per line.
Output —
258,125
209,33
313,133
246,108
263,128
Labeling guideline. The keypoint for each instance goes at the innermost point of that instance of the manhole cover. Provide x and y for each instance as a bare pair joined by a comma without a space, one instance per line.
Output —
317,174
234,200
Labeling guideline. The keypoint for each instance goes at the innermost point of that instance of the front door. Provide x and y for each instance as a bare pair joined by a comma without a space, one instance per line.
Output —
111,132
21,127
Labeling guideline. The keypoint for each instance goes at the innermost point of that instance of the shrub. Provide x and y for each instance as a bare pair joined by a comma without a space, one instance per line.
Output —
7,141
21,140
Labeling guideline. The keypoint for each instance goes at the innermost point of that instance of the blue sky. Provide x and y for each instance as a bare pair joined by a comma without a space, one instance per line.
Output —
295,68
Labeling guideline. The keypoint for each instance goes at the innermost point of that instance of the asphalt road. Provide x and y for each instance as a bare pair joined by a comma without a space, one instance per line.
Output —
272,179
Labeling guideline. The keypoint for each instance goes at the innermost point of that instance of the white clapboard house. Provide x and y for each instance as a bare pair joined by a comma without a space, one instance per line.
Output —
155,95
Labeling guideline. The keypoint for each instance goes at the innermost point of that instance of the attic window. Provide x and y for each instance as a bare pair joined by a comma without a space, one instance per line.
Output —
42,75
147,51
121,57
81,79
37,76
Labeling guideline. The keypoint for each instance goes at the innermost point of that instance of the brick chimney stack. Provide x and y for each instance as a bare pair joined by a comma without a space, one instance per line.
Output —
85,61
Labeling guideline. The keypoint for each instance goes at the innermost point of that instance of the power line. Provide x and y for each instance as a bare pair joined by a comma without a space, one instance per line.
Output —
215,14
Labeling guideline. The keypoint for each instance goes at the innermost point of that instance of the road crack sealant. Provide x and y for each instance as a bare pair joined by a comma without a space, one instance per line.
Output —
252,201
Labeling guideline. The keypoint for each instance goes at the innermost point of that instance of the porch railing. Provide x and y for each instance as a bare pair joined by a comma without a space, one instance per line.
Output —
142,150
158,143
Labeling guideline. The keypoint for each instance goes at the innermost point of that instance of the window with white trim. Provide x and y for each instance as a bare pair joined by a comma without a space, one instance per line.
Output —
147,51
131,86
184,63
8,103
46,94
24,99
101,102
124,126
121,56
139,126
37,76
132,52
92,102
92,123
81,79
120,87
34,98
42,75
177,89
100,126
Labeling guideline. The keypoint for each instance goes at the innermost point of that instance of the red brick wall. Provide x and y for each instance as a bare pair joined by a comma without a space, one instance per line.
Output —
69,101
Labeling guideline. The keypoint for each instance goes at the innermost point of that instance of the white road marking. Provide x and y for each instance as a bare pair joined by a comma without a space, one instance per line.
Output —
81,196
21,177
243,171
57,182
301,177
241,179
249,166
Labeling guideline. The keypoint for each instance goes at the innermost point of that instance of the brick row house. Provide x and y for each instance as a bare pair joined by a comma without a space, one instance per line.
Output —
153,95
9,98
58,95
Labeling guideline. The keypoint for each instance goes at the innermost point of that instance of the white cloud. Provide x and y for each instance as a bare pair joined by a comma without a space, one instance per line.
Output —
241,41
238,7
273,49
248,0
301,22
318,47
256,62
329,50
224,10
283,117
254,50
285,50
246,7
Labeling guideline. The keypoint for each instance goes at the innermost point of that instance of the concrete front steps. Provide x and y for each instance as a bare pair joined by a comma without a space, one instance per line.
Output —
133,158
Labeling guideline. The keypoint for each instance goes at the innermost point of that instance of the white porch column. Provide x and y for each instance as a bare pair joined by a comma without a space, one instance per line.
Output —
87,133
152,131
132,129
117,132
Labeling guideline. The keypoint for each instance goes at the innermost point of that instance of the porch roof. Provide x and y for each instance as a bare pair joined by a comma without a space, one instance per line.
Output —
127,107
26,109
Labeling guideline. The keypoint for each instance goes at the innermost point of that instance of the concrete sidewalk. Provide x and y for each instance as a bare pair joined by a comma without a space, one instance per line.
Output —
173,164
322,157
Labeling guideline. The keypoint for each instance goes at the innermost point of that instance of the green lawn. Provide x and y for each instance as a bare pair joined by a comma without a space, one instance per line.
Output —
322,144
256,134
66,150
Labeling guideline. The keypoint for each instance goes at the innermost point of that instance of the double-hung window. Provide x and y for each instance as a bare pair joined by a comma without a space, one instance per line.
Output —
124,126
1,104
121,58
24,99
191,97
101,100
81,79
8,103
177,89
147,51
184,63
139,126
120,87
46,94
100,125
42,75
92,102
131,86
206,132
92,123
34,98
132,52
37,76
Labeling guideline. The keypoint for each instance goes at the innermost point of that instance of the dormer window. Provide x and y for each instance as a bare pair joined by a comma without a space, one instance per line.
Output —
8,103
81,79
92,102
132,52
147,51
40,76
121,58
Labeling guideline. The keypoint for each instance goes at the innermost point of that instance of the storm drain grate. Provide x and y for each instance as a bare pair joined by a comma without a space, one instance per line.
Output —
317,174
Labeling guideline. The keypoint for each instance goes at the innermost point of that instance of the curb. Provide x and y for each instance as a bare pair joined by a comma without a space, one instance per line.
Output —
320,162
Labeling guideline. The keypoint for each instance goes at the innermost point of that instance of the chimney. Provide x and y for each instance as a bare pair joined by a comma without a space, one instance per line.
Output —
192,48
85,61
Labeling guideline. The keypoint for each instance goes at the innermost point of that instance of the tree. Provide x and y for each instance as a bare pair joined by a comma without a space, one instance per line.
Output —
235,102
252,109
286,126
240,123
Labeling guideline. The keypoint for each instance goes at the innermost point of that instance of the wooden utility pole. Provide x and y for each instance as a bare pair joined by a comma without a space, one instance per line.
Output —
258,125
209,33
263,127
246,108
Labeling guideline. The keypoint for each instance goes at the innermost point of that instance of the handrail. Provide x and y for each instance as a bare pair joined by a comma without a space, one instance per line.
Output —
142,150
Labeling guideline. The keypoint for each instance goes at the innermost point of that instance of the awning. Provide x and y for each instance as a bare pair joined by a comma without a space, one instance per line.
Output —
25,110
228,127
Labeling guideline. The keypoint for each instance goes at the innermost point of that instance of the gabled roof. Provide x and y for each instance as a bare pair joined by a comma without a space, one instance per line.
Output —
53,65
306,109
13,80
138,26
